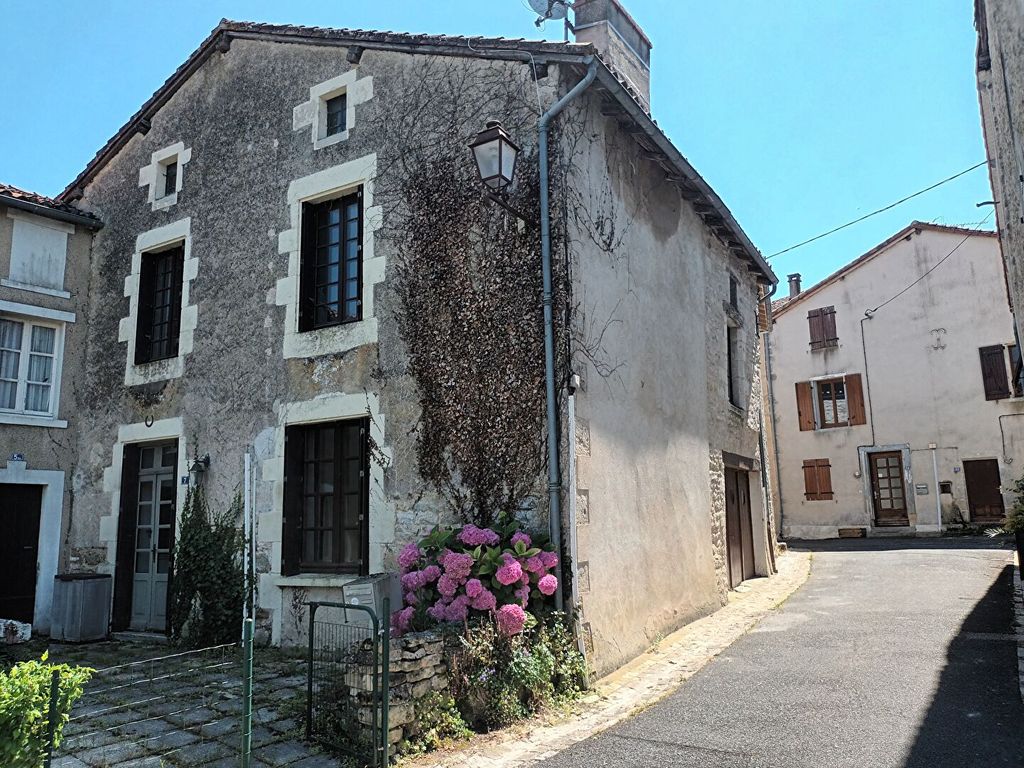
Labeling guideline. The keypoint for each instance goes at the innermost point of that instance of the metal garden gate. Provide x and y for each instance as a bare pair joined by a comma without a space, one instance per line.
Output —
347,681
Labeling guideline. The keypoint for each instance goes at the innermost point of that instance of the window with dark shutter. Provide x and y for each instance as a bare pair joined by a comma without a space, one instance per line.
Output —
817,479
336,117
822,325
159,305
733,369
993,372
330,281
326,498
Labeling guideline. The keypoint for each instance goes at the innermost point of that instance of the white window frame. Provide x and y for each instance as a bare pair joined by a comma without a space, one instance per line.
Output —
19,414
312,114
154,174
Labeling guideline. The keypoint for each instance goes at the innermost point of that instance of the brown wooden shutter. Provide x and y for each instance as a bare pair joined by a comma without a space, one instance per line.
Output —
855,400
804,406
307,264
126,525
824,472
817,479
828,325
993,372
291,533
810,479
817,328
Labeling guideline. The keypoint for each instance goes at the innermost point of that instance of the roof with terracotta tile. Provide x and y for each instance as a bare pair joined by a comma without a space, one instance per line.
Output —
22,198
783,304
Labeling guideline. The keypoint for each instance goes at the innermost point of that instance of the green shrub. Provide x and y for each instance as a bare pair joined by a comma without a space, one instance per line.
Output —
208,588
497,679
25,706
438,722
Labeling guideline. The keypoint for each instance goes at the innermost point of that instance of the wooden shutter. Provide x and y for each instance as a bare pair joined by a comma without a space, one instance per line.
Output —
178,278
828,325
817,328
144,310
856,411
993,372
817,479
804,406
126,524
291,532
307,265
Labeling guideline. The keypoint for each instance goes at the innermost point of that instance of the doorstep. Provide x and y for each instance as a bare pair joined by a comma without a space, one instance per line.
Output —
643,681
142,638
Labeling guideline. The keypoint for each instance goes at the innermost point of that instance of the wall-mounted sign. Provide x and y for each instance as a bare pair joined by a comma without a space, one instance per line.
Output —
921,489
184,479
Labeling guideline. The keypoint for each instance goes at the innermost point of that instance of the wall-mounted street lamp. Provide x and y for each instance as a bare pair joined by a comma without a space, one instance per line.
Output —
495,154
200,463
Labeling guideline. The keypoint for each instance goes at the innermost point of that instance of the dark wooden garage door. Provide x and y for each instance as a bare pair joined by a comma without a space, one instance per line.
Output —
983,495
739,534
20,506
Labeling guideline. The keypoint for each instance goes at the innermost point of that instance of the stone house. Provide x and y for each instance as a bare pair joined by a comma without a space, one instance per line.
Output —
894,398
1000,70
44,275
214,331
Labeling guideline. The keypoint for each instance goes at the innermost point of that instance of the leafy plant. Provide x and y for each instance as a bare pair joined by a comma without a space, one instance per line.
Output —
438,721
1015,517
497,679
25,706
208,588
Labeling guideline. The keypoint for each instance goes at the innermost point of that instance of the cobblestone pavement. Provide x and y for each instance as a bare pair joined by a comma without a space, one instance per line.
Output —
639,684
149,706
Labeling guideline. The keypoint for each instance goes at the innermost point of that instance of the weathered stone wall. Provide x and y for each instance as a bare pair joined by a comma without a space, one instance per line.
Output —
1001,95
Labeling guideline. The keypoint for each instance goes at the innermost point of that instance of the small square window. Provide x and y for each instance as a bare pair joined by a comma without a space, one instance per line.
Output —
946,486
336,114
170,178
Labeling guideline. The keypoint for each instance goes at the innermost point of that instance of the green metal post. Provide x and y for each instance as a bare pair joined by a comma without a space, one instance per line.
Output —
385,662
247,654
51,729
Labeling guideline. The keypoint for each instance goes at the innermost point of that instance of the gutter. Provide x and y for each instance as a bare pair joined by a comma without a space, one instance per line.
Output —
554,469
80,219
771,404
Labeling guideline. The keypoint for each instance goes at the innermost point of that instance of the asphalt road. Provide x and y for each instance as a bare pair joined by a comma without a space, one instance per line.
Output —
895,653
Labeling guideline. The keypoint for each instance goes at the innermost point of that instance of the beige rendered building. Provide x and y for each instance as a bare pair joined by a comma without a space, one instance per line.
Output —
895,398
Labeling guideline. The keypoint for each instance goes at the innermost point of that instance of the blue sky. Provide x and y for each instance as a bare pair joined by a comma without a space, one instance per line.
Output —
802,114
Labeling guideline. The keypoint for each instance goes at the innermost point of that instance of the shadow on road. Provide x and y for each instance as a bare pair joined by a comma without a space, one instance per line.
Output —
976,717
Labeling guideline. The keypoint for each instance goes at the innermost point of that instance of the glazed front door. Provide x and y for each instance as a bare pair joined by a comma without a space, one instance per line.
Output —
154,537
888,489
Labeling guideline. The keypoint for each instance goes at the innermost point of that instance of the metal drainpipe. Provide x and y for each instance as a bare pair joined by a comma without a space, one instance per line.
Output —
554,469
771,399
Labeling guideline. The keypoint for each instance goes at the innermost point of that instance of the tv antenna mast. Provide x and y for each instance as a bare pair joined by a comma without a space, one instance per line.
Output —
552,10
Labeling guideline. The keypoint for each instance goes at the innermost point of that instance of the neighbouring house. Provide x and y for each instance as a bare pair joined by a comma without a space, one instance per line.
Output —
299,266
896,389
1000,70
44,275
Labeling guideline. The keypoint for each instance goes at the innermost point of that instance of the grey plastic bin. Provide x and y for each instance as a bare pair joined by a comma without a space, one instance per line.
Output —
81,607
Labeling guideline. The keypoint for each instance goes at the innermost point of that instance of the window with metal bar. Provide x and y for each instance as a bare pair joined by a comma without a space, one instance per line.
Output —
326,492
159,321
170,178
331,272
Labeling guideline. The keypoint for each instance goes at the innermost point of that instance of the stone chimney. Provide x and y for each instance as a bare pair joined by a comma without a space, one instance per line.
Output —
619,39
794,285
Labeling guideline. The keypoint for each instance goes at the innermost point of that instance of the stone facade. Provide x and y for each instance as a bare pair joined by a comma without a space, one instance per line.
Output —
647,328
1000,63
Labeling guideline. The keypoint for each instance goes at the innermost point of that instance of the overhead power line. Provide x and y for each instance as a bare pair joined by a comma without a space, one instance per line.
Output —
880,210
933,268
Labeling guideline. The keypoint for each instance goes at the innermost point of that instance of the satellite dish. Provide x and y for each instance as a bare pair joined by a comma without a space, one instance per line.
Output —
550,9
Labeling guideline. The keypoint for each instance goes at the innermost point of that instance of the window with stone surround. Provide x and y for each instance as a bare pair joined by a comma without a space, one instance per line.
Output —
330,278
159,321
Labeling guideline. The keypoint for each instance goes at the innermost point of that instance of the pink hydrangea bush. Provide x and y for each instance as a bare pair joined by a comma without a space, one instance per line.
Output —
460,574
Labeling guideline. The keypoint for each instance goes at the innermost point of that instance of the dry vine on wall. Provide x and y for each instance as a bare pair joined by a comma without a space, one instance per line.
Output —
466,277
